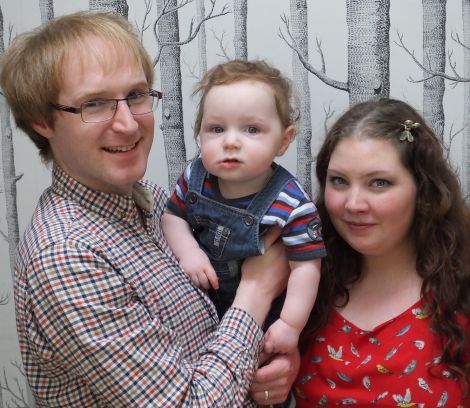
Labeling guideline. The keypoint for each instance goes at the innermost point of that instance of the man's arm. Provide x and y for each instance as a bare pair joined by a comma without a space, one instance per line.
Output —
134,350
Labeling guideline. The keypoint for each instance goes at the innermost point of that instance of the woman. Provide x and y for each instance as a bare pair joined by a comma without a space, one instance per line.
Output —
390,326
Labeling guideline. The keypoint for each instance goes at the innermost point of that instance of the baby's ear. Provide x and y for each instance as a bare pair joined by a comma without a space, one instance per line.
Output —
287,137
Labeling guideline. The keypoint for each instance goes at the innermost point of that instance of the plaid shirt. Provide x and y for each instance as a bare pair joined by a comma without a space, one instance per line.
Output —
105,316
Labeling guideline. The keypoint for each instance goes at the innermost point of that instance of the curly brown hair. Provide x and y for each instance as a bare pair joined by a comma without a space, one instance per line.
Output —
441,228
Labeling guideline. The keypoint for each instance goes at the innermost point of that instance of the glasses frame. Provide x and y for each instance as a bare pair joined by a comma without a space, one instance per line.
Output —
152,92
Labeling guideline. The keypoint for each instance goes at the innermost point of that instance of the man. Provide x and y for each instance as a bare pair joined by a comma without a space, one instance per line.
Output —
105,315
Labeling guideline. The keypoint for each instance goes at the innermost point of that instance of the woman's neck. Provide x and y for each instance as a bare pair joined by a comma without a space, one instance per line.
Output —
391,268
388,286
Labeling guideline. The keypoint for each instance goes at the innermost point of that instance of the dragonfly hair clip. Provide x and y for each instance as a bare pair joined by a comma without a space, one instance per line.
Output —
408,125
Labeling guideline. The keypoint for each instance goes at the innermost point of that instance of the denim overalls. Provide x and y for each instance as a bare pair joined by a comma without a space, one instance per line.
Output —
229,234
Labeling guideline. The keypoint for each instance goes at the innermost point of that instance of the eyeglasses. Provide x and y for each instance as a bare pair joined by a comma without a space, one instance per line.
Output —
102,110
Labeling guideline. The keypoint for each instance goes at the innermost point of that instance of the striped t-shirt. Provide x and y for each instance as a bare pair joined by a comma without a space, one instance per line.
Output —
292,211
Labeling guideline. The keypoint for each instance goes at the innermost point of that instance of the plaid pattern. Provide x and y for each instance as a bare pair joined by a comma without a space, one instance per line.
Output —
105,316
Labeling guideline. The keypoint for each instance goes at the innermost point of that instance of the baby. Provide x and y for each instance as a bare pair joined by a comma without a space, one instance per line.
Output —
227,198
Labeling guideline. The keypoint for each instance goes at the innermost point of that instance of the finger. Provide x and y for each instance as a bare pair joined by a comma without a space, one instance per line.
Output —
203,282
271,397
194,279
275,371
212,277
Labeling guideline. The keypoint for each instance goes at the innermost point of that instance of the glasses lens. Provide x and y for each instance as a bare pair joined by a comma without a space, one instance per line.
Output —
140,104
98,111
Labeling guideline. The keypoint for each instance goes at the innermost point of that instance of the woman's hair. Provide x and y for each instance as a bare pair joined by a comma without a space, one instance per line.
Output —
240,70
440,230
31,68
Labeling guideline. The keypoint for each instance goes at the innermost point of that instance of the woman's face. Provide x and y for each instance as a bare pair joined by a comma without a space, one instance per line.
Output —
370,196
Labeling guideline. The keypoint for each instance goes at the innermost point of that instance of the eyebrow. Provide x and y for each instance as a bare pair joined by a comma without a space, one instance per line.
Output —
369,174
99,93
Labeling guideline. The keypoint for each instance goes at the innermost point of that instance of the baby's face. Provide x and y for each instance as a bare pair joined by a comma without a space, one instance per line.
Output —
241,134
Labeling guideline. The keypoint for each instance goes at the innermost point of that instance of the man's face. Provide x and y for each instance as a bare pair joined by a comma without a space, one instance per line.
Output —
107,156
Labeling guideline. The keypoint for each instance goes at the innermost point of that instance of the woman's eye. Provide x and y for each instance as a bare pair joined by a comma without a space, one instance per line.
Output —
380,183
336,180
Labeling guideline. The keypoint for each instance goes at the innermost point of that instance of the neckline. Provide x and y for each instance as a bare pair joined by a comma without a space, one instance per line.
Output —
418,304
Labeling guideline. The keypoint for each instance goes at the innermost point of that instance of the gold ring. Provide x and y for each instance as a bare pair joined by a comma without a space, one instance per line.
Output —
266,395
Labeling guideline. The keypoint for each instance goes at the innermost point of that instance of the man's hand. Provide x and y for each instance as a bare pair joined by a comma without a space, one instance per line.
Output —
276,377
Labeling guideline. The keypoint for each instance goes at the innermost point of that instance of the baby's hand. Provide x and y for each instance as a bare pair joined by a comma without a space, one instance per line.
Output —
199,269
281,338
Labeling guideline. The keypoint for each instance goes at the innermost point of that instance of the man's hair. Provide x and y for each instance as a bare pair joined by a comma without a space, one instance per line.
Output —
31,68
240,70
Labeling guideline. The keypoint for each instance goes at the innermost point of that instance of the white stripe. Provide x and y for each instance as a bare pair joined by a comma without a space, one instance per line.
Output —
273,220
306,208
296,239
289,200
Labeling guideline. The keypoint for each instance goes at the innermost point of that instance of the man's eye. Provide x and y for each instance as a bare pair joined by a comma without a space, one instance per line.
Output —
95,104
136,97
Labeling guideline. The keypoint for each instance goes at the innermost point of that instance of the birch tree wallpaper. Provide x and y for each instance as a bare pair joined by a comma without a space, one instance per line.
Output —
336,52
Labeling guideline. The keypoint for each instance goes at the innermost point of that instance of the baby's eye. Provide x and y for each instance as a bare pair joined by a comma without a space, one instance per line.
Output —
381,183
217,129
252,129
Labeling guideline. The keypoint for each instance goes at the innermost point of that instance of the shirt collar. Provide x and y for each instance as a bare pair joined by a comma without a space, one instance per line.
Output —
105,204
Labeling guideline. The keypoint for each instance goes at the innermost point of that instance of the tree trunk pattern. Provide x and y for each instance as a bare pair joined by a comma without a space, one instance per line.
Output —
465,173
434,59
172,106
8,167
201,39
298,12
368,49
46,8
9,181
240,11
115,6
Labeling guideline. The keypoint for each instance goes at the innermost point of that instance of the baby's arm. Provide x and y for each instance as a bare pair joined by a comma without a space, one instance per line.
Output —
191,257
283,335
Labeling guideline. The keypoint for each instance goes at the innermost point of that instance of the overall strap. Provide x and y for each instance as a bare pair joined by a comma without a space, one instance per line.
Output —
197,176
264,199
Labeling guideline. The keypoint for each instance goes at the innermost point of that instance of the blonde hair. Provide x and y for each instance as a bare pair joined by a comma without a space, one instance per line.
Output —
31,68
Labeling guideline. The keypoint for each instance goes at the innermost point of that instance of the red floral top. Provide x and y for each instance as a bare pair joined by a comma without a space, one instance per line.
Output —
394,365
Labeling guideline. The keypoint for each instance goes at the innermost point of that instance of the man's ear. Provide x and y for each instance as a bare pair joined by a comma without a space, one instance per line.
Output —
41,127
287,136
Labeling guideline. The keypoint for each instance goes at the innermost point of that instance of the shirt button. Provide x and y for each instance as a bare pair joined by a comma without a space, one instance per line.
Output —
192,198
248,220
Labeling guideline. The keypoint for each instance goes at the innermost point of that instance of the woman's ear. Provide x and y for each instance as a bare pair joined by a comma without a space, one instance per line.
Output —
287,137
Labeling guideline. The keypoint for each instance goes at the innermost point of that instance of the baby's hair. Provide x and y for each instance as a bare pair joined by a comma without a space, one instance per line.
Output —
240,70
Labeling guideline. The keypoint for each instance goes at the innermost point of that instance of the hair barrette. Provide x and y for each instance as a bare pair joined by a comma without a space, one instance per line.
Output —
406,134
